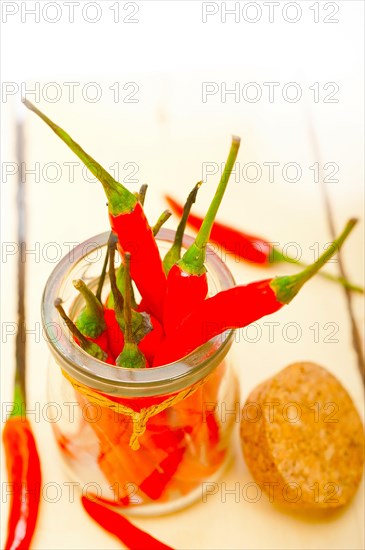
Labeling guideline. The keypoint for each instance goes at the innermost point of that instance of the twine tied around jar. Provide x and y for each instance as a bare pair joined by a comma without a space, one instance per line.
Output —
140,418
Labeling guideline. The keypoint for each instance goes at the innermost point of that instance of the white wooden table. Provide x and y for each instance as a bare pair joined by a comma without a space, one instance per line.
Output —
164,139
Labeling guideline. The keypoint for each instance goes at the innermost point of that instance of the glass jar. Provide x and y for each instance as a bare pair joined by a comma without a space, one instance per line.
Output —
146,440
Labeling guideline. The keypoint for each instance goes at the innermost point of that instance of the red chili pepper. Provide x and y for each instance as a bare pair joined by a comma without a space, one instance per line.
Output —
128,221
21,455
155,484
136,237
168,438
130,356
250,248
22,461
141,323
187,281
90,320
213,427
150,343
132,537
135,325
238,307
24,477
114,334
174,254
86,344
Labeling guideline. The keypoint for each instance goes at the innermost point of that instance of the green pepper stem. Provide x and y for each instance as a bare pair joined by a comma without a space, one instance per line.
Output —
90,347
141,324
194,258
120,200
286,288
278,256
19,402
102,276
19,394
131,356
92,302
142,193
166,214
117,295
120,283
128,336
174,254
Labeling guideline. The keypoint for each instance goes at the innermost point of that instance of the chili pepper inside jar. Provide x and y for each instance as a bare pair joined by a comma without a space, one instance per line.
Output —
143,439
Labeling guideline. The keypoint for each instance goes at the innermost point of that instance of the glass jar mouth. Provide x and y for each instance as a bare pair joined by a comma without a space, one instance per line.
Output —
121,380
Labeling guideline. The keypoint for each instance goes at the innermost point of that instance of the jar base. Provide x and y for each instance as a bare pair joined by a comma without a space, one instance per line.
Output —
166,508
155,509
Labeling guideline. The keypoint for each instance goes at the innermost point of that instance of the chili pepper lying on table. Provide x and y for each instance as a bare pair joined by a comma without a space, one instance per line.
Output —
128,221
24,477
250,248
20,449
130,535
239,306
187,280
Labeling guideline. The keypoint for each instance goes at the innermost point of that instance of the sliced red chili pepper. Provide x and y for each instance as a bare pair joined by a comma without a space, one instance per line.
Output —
64,443
128,221
166,437
251,248
213,427
155,484
132,537
238,307
187,281
122,502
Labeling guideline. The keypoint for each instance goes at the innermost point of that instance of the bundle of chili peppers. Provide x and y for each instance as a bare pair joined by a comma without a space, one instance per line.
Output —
174,316
174,290
20,448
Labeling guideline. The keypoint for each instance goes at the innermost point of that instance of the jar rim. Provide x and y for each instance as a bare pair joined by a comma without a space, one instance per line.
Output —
122,380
